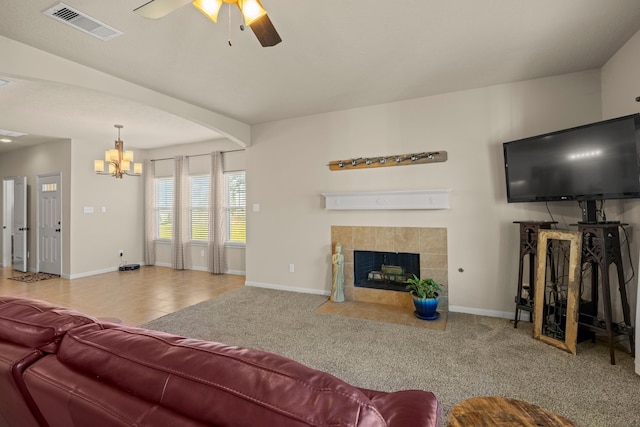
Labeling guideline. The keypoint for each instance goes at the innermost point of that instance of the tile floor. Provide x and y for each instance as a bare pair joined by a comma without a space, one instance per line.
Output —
135,297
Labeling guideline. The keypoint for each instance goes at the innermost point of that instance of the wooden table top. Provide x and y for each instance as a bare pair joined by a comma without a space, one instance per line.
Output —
501,411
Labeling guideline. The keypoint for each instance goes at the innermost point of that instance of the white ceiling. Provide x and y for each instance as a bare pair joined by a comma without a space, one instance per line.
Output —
335,54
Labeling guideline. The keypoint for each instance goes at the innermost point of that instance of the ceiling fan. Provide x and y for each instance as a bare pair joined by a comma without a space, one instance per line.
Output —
254,15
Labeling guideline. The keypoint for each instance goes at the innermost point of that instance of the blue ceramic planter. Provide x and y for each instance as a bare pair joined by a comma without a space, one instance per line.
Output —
426,308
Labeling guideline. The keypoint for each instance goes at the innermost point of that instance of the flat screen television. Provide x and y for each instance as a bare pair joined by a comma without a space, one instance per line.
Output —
587,163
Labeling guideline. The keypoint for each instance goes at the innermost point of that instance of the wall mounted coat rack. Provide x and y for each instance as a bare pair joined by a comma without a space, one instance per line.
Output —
394,160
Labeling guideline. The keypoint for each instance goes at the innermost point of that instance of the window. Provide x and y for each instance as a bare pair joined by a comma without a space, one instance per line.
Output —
164,208
236,194
199,208
235,207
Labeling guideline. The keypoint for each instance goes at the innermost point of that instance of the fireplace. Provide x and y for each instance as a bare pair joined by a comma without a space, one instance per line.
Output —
384,270
428,243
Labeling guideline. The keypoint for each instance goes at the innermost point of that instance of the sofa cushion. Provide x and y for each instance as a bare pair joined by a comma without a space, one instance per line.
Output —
37,324
67,398
215,383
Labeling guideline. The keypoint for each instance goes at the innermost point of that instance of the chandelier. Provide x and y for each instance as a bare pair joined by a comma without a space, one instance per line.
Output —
119,161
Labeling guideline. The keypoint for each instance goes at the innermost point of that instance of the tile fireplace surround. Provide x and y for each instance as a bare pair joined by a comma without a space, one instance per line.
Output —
430,243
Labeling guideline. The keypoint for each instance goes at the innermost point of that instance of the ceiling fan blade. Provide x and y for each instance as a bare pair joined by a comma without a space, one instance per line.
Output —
156,9
265,31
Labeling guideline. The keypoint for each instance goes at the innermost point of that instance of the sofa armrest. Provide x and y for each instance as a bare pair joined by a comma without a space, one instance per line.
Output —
37,324
16,405
407,407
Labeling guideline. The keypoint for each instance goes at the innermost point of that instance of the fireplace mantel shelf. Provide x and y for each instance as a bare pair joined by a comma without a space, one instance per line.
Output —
377,200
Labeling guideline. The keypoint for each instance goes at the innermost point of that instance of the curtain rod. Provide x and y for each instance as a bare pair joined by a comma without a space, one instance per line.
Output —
197,155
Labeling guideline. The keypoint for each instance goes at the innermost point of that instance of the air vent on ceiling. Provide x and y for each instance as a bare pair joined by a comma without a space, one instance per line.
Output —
81,21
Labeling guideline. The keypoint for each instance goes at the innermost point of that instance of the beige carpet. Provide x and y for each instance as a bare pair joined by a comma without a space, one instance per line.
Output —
34,277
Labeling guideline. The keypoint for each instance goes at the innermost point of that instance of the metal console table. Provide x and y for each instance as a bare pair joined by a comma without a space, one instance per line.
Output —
528,246
600,249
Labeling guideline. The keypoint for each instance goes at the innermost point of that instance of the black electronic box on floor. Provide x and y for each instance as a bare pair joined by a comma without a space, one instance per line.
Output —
129,267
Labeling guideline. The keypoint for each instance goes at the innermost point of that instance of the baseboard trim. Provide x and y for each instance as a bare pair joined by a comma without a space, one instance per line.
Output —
489,313
236,272
94,272
287,288
452,308
201,268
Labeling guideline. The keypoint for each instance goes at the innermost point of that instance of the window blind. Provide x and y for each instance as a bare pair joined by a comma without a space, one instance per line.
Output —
200,207
164,208
236,195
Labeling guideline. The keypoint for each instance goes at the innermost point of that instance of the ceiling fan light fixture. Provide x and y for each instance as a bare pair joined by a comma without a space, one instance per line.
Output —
209,8
252,10
254,14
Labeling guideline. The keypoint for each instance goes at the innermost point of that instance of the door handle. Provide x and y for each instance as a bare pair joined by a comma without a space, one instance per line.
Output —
57,230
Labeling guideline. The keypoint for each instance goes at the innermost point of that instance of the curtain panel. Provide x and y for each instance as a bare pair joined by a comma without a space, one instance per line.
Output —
180,250
149,213
216,260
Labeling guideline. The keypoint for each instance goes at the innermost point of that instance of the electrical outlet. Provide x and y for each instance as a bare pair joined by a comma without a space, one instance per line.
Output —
292,268
121,252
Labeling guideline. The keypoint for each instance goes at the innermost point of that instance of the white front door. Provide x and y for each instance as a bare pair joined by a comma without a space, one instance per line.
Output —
49,224
20,228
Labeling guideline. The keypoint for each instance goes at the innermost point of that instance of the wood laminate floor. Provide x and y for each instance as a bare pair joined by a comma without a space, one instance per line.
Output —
134,297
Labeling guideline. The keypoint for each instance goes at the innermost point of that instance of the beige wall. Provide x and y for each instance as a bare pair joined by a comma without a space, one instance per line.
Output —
620,87
286,172
97,238
51,157
233,161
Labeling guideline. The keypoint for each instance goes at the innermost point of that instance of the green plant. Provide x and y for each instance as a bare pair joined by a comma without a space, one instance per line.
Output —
423,288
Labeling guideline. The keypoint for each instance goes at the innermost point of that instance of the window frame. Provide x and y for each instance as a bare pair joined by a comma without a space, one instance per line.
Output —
168,206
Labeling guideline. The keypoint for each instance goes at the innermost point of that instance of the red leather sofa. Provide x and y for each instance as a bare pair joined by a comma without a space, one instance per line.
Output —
60,368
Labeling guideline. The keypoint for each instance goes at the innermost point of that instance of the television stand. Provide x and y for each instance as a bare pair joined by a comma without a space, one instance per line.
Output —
599,223
528,246
590,212
600,249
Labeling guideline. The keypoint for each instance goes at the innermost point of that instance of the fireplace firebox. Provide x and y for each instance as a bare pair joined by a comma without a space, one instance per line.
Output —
384,270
